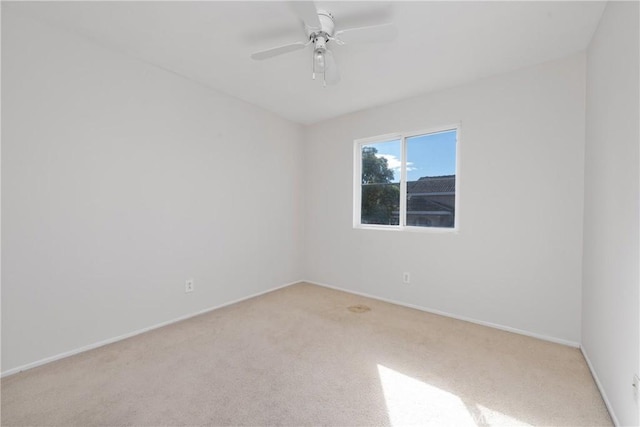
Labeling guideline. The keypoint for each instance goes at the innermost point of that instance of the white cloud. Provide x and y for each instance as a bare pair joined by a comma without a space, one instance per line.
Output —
394,163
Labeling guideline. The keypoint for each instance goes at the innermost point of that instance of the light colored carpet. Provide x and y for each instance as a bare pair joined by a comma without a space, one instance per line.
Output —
298,356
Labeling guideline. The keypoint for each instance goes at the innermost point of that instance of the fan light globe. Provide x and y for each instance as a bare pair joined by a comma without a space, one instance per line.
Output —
318,60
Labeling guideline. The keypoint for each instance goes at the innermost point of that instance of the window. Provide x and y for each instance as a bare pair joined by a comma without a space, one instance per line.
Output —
407,181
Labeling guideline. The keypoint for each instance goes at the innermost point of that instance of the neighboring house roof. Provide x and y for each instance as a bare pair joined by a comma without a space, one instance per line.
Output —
432,184
428,207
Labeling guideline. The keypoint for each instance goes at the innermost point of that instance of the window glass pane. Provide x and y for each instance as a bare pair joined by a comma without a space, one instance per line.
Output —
380,183
431,180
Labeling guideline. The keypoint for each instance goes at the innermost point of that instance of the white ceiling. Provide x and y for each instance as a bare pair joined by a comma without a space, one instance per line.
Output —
440,44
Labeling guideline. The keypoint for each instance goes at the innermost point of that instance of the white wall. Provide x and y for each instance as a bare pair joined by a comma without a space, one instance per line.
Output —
611,301
120,181
516,260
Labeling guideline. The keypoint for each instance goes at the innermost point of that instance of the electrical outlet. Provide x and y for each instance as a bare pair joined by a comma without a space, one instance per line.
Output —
188,286
636,386
406,278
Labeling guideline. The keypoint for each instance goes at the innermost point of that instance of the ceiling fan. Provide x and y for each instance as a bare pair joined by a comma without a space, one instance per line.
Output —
320,30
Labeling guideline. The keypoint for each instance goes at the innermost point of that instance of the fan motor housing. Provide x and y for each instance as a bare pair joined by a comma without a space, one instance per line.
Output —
327,26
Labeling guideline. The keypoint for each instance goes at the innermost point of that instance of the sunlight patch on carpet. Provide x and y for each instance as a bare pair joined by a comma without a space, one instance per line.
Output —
494,418
413,402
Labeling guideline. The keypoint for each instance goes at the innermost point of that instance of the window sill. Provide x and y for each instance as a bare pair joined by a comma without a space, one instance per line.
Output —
437,230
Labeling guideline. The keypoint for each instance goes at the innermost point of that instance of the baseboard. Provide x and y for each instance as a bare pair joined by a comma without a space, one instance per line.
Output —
134,333
188,316
455,316
600,388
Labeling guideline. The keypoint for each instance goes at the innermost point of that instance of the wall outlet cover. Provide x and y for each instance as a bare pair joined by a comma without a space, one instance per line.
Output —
188,286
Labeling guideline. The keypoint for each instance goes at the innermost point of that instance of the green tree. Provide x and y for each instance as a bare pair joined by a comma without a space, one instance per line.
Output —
380,196
375,170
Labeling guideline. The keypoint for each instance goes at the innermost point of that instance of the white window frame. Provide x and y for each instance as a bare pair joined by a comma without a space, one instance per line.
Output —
357,180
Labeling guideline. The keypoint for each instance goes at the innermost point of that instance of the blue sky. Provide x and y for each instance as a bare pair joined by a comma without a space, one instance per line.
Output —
427,155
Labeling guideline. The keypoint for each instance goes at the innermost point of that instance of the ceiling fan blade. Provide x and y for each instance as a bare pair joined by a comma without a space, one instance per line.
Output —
331,72
306,10
374,33
275,51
